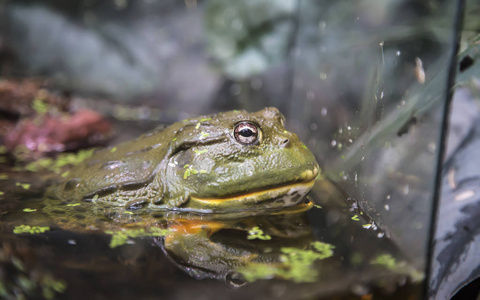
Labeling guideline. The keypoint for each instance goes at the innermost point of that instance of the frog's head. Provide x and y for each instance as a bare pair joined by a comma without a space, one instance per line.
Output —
238,161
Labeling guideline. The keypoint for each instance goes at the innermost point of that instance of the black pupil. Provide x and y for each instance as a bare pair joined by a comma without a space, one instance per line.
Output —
245,132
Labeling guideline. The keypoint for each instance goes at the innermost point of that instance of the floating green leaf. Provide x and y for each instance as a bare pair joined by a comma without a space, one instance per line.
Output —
30,229
295,264
201,151
62,160
355,218
39,106
121,237
204,135
50,286
257,233
29,209
25,186
386,260
189,170
401,267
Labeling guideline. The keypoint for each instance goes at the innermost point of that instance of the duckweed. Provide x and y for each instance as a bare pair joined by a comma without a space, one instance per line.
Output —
204,135
39,106
50,286
295,264
257,233
389,262
30,229
201,151
386,260
121,237
24,186
189,170
55,165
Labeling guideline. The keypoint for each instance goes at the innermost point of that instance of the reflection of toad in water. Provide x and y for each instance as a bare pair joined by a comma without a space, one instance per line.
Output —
216,173
278,245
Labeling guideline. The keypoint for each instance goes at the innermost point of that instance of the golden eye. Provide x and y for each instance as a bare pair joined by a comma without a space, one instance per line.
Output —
246,133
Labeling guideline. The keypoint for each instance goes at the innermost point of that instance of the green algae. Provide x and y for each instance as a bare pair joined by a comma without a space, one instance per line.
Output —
204,134
24,186
51,286
30,229
257,233
39,106
389,262
295,264
56,165
201,151
121,237
189,170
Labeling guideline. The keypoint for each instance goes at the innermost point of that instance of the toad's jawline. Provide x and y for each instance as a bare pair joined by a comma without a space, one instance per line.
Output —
286,192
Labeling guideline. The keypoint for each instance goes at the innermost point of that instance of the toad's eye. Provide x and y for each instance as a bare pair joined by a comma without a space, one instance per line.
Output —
246,133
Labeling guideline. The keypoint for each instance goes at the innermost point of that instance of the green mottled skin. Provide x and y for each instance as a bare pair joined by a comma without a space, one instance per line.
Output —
196,157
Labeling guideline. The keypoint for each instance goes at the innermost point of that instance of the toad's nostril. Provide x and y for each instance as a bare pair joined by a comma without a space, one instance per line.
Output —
285,142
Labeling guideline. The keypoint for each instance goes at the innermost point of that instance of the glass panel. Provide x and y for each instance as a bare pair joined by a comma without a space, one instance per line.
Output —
370,83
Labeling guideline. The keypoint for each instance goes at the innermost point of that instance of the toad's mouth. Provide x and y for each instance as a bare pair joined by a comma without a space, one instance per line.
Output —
271,198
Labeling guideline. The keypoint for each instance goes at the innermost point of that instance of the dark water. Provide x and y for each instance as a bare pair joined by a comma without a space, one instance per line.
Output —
64,262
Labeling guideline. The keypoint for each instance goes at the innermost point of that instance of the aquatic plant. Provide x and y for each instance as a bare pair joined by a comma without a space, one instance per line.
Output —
257,233
30,229
295,264
121,237
56,165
